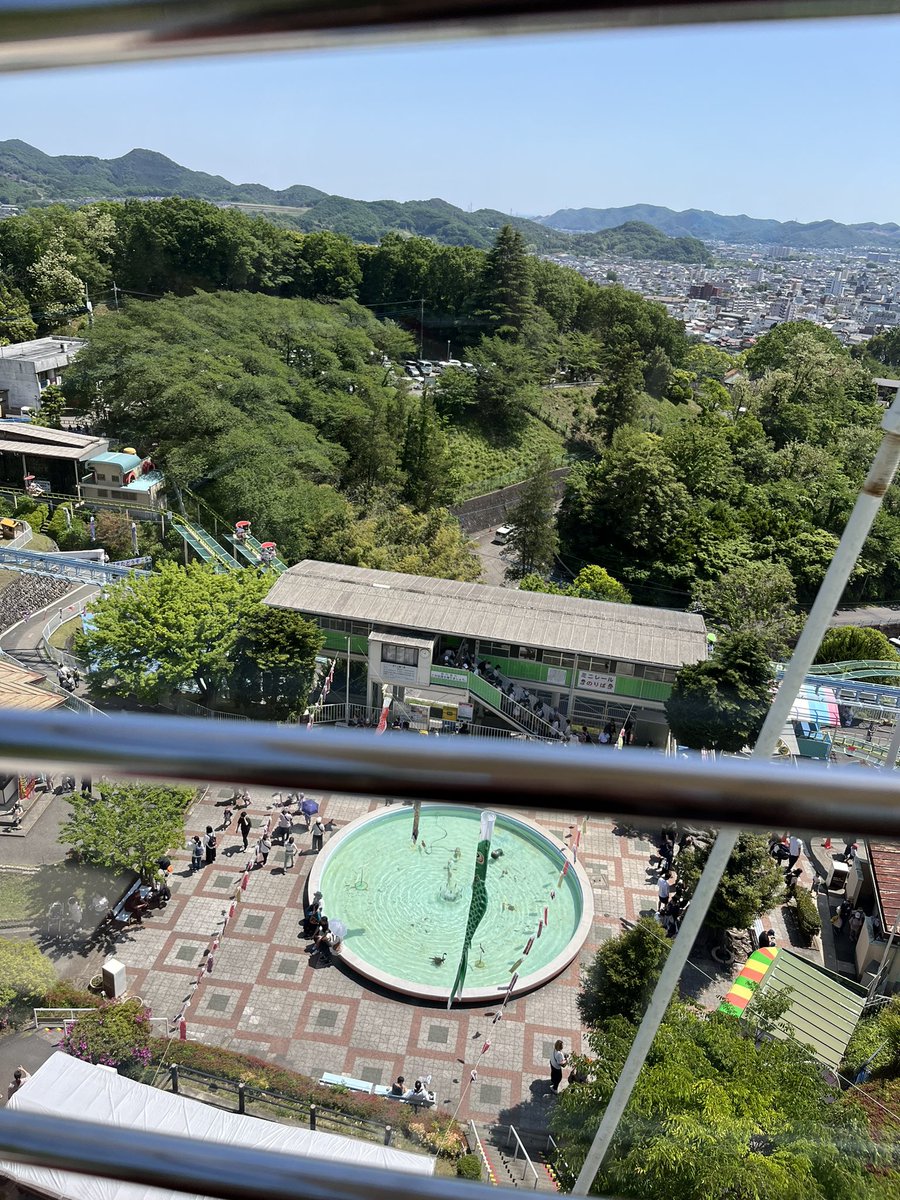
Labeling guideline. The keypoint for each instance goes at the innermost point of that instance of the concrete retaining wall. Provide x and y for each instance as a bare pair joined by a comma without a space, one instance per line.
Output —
482,512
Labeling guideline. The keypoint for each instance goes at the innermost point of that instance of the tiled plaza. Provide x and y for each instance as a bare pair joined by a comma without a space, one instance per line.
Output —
264,996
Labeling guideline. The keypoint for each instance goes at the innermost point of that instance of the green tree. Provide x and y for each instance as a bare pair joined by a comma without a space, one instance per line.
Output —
455,392
621,382
595,583
855,643
53,405
393,537
16,323
25,974
172,629
718,1114
274,660
757,598
776,348
426,459
721,704
533,540
620,978
751,886
129,826
506,284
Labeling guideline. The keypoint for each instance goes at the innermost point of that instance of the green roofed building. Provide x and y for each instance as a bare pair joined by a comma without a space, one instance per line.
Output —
824,1007
442,646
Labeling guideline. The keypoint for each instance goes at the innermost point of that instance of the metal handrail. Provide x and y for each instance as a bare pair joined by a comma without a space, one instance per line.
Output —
527,1160
629,783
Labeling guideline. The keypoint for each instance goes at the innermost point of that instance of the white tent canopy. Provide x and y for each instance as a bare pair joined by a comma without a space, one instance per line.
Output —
67,1087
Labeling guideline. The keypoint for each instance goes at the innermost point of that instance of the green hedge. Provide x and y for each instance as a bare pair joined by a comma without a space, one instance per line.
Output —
469,1166
438,1133
807,914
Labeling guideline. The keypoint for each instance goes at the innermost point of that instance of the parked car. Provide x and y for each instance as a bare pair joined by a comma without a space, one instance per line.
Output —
502,533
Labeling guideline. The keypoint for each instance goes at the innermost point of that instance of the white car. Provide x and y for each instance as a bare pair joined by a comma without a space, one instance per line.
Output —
502,533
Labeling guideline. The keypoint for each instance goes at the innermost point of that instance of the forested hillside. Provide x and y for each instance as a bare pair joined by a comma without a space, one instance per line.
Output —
28,176
270,379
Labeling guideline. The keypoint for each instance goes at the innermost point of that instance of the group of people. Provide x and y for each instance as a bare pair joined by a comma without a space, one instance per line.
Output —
672,902
277,830
67,678
419,1093
316,926
609,735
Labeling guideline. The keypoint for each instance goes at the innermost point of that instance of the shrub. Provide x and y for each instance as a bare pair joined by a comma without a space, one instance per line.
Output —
244,1068
25,974
64,994
468,1167
807,915
113,1035
620,978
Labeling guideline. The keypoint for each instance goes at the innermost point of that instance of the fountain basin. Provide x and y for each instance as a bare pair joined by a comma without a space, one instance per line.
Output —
406,904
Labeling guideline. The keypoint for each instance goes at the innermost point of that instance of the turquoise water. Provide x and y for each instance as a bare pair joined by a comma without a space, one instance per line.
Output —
404,906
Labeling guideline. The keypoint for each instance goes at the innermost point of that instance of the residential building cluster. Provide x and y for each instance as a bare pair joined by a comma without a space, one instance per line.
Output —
853,292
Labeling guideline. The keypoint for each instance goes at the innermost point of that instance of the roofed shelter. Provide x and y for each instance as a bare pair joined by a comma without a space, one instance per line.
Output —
587,658
57,456
67,1087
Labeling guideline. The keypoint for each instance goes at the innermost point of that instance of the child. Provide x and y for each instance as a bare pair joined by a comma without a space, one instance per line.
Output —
196,853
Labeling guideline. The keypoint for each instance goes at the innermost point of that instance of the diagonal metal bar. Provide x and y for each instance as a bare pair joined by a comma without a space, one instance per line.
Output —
881,473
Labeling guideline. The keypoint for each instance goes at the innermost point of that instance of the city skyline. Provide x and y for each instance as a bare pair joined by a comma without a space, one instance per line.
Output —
662,117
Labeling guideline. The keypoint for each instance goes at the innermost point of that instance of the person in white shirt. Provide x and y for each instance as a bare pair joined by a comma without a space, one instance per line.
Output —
663,890
558,1059
795,848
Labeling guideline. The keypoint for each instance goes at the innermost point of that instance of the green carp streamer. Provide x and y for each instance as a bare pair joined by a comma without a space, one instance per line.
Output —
478,903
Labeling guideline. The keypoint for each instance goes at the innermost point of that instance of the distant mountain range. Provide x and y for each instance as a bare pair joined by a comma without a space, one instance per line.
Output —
710,226
30,177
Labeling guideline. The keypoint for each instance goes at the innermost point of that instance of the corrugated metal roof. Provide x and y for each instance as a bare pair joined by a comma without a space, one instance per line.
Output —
884,859
646,635
43,433
824,1008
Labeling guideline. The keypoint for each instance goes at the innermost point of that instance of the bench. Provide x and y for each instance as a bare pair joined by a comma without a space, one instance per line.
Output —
370,1089
756,933
118,914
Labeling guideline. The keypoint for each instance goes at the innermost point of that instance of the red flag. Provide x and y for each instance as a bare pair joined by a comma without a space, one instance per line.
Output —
209,964
546,922
485,1047
540,928
826,845
382,720
528,945
182,1030
245,880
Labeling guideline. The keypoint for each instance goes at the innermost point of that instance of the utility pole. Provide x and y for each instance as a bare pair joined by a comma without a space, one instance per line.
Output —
88,306
421,326
347,692
115,296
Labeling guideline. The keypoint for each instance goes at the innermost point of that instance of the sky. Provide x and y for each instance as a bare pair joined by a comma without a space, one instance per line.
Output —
795,121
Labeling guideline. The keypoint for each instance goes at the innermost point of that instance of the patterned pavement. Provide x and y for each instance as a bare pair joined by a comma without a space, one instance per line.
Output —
264,997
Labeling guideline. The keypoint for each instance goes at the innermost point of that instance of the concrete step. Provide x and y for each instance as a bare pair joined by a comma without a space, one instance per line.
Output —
512,1171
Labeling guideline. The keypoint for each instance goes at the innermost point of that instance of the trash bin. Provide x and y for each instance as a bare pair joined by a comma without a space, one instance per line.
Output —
114,978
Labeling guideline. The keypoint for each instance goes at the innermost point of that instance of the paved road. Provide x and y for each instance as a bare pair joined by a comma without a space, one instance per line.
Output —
491,554
874,614
28,1049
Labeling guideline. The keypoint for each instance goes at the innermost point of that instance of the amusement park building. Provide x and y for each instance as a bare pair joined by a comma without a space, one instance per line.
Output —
592,661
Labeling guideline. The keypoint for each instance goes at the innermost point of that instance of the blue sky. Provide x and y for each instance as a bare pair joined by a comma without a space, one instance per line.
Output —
791,120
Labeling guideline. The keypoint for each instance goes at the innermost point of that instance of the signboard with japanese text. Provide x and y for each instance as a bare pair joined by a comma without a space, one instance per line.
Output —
594,681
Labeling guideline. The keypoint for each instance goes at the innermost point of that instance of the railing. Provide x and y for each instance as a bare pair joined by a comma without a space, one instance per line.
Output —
527,1164
56,622
191,708
482,1154
334,714
21,540
563,1172
66,1017
315,1115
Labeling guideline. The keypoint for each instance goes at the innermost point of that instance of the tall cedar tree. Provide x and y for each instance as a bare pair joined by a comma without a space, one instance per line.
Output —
533,540
506,285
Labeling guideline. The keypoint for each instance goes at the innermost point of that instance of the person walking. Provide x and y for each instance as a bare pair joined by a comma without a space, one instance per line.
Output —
210,842
196,852
795,848
263,846
663,892
290,851
244,826
558,1060
283,828
318,834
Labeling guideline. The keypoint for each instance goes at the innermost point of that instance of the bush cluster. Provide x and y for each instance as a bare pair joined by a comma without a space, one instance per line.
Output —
468,1167
807,914
429,1128
116,1034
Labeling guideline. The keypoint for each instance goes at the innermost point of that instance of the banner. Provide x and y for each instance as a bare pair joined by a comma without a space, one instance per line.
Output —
478,903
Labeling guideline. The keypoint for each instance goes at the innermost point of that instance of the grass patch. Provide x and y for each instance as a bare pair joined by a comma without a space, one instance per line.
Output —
481,461
41,542
17,899
61,638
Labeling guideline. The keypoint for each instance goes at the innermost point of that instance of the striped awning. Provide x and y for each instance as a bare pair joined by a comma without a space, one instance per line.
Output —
748,981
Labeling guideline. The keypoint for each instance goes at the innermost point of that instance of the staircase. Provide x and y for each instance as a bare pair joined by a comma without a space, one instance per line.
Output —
510,1163
515,714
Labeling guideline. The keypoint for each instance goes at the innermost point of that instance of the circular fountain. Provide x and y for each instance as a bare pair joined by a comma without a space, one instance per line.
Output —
405,903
